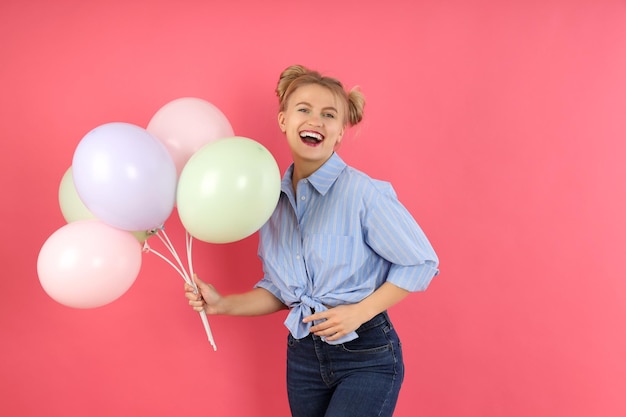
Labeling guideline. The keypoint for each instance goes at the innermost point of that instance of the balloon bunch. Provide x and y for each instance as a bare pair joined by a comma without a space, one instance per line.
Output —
123,185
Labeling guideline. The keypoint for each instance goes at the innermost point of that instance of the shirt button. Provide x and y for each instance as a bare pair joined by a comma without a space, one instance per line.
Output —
303,198
298,257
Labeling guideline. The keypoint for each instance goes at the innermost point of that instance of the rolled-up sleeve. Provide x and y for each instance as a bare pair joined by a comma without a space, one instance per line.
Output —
392,232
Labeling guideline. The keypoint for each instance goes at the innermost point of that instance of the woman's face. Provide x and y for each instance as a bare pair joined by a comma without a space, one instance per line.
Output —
313,121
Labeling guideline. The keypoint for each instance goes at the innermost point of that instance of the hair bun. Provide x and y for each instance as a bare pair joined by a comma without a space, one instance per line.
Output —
290,74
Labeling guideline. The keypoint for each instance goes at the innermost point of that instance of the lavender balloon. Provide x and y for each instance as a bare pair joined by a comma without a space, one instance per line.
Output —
125,176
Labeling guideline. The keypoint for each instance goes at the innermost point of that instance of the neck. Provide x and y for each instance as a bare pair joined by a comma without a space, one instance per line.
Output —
303,169
298,174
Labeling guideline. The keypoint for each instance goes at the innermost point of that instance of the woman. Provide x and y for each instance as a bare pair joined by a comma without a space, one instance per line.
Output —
338,251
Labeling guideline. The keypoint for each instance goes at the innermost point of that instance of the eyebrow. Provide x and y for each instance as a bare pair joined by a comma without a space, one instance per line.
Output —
324,109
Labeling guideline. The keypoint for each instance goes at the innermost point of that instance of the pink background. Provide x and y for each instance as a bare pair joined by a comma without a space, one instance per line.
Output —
501,124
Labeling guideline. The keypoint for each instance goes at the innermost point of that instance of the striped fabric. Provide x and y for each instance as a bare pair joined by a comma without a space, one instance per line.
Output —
339,238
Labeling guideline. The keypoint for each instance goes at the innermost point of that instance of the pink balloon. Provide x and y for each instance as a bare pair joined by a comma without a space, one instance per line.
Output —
185,125
87,264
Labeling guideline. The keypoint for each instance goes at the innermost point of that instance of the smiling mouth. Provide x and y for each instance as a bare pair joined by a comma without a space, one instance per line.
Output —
310,137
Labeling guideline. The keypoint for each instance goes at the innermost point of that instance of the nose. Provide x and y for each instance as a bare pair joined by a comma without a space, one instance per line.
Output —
315,120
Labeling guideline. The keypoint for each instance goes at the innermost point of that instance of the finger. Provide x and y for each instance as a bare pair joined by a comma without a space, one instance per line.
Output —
330,334
198,281
314,317
197,308
324,321
197,303
334,337
315,329
322,327
193,296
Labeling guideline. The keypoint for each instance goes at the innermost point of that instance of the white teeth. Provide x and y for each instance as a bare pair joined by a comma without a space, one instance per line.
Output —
313,135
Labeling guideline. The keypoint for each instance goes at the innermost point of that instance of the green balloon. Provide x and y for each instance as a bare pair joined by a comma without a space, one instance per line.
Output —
227,190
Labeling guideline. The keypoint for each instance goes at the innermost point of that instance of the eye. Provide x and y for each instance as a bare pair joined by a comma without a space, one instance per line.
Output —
303,110
329,115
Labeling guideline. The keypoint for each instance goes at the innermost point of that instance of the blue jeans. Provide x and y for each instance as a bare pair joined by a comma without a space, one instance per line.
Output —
360,378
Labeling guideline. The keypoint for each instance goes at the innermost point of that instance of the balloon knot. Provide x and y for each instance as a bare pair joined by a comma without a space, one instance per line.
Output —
146,247
154,231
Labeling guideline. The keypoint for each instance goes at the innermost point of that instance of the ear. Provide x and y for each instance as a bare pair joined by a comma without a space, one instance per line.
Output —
339,139
281,122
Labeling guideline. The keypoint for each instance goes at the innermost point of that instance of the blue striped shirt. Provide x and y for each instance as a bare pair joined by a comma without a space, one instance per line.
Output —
339,238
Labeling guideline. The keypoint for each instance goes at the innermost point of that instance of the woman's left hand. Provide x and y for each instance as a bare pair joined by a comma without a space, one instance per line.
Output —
338,321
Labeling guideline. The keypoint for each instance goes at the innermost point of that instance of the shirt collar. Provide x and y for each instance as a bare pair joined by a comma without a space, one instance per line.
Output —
323,178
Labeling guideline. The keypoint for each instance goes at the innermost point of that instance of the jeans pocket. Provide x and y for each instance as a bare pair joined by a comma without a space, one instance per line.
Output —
374,340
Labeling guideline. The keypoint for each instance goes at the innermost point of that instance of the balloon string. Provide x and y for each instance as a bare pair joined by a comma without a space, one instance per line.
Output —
160,233
207,329
205,320
168,244
147,248
188,241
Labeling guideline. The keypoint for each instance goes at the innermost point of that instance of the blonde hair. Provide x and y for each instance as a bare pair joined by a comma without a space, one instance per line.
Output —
296,76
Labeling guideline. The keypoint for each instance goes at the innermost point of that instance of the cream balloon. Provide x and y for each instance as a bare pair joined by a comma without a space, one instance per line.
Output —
72,207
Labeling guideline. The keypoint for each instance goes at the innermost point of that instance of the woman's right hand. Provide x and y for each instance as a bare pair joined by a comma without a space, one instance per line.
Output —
205,298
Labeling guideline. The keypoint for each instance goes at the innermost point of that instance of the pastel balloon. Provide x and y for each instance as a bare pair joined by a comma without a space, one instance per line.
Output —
88,264
186,124
125,176
227,190
73,208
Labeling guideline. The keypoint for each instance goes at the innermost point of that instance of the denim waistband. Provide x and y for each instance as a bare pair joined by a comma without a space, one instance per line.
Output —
379,319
